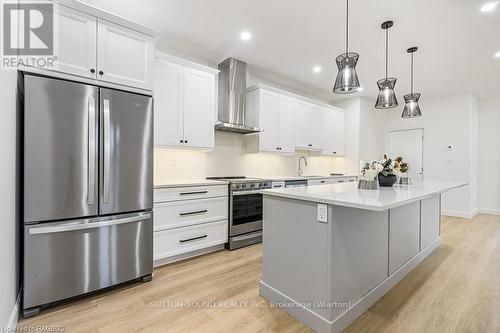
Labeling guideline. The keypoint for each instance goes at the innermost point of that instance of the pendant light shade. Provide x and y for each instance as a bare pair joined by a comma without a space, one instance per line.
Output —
386,96
412,109
347,81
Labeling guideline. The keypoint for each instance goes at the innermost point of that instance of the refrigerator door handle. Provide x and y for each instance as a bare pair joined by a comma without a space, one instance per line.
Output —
107,148
91,151
92,225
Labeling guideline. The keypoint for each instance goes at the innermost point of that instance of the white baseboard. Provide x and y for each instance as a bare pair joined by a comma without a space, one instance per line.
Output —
323,325
489,211
14,316
461,214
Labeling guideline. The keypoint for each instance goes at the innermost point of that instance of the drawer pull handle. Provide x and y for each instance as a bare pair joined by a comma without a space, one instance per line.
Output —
323,181
191,193
192,213
341,181
192,239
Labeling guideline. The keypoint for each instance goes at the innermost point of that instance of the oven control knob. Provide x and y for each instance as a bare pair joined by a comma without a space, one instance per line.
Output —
252,185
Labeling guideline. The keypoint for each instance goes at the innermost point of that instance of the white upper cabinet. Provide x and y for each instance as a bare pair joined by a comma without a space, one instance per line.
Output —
276,117
339,133
268,104
333,133
286,124
308,126
185,103
76,43
91,44
199,108
168,104
124,56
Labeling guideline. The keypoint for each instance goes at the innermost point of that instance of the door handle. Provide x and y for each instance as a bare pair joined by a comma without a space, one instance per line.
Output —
91,163
87,225
107,148
193,213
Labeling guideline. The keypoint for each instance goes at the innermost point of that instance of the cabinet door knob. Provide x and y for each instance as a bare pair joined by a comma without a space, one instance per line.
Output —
101,73
185,141
182,141
92,70
334,152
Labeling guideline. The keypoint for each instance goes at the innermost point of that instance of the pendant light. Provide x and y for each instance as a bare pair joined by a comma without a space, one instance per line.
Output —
412,109
347,79
386,97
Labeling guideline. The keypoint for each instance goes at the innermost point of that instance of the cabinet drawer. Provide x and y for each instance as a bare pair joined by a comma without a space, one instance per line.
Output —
312,182
174,214
345,180
190,192
172,242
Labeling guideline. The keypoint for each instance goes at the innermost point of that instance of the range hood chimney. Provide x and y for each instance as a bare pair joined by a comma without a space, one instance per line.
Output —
232,97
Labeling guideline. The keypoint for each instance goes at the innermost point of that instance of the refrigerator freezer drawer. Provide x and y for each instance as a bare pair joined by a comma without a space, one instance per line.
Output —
67,259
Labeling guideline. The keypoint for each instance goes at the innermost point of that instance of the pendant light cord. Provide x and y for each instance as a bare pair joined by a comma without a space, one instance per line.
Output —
386,51
411,85
347,28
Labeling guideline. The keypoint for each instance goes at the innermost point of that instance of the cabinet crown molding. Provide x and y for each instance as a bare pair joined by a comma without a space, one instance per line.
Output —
113,18
181,61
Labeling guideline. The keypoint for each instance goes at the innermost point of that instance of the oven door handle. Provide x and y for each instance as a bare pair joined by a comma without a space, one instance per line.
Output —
246,192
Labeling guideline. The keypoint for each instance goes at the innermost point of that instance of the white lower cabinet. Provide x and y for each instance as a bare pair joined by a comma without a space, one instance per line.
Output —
173,242
188,219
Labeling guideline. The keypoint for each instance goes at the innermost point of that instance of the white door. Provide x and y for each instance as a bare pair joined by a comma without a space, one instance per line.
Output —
339,133
124,56
75,47
268,113
409,145
304,125
199,108
168,104
286,125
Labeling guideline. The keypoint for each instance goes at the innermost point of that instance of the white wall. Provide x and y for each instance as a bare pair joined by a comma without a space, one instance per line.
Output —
448,120
229,158
8,228
489,156
372,131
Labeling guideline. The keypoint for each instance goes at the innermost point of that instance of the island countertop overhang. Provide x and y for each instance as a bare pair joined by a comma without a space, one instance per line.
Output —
348,195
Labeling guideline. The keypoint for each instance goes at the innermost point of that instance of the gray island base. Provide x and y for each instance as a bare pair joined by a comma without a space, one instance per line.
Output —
326,274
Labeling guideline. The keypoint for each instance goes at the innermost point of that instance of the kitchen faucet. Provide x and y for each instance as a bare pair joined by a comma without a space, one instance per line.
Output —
301,172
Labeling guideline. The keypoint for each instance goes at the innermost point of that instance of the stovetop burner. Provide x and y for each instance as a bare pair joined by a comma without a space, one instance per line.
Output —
241,183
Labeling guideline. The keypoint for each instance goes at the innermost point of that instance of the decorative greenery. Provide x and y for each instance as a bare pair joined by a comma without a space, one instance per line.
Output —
387,168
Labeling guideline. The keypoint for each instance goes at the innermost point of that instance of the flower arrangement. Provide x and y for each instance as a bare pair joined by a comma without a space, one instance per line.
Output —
385,171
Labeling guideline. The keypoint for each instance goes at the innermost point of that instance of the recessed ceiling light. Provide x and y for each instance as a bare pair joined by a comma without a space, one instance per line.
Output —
489,7
497,55
317,69
245,35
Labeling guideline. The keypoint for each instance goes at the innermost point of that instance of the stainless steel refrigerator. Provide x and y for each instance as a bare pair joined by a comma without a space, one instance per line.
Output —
88,189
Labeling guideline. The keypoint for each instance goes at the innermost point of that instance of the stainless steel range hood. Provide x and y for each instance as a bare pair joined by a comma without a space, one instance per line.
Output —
232,97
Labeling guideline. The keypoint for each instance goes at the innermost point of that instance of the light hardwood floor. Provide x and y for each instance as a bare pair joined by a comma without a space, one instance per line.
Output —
455,289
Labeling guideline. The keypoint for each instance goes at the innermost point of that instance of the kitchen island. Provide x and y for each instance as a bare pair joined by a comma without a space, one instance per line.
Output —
331,251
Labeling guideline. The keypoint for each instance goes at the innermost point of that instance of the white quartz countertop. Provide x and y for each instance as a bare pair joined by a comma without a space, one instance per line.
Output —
285,178
348,194
189,182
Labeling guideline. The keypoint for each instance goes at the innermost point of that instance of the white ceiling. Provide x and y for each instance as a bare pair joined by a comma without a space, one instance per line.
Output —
456,41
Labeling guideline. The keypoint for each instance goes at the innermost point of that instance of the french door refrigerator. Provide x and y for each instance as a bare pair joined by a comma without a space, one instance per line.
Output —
88,189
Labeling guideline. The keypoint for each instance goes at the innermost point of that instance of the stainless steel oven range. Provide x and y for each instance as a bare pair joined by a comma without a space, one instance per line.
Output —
245,210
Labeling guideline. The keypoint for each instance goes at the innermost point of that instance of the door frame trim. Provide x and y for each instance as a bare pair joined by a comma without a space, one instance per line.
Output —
406,130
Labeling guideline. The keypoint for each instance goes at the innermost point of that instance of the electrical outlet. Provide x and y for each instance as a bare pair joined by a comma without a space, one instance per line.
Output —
322,213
